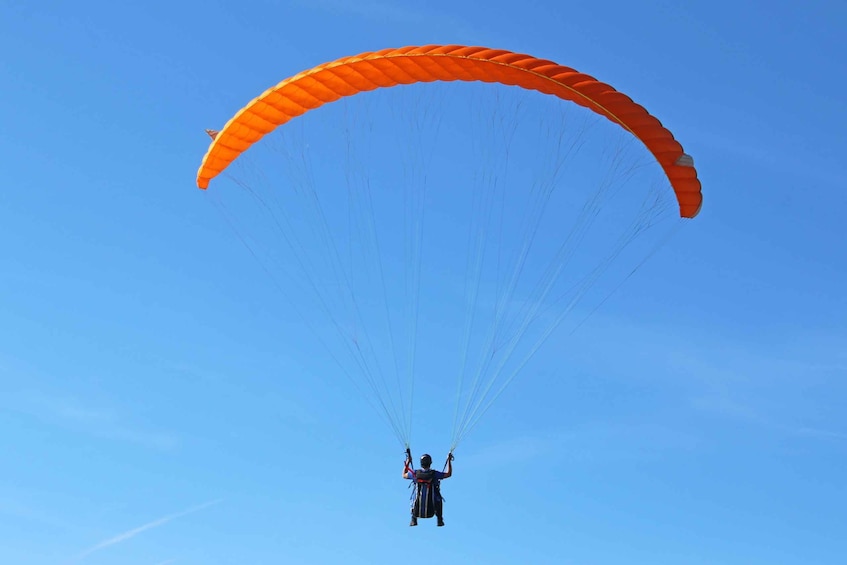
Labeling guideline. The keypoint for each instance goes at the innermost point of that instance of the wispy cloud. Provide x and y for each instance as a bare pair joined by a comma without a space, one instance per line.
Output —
778,160
68,411
815,432
788,385
129,534
732,409
589,443
20,506
163,441
516,450
729,408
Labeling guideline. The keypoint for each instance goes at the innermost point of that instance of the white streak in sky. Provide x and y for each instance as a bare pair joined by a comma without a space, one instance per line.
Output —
149,526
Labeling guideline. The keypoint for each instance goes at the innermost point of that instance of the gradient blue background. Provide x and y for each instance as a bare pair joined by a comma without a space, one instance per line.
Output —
146,417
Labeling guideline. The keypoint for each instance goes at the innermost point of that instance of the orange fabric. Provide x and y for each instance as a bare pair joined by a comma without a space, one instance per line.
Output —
368,71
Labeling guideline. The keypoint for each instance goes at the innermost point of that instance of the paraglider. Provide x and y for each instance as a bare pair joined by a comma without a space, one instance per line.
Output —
342,246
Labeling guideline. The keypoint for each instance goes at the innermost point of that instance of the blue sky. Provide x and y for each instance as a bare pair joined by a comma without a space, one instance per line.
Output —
156,409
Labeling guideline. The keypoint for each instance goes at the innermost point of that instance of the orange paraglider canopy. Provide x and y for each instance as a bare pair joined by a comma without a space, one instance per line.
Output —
390,67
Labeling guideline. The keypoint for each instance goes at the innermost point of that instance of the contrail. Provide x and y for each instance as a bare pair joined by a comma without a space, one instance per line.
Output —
134,532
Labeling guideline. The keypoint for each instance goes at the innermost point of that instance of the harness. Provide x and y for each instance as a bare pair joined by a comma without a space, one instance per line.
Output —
427,492
425,479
